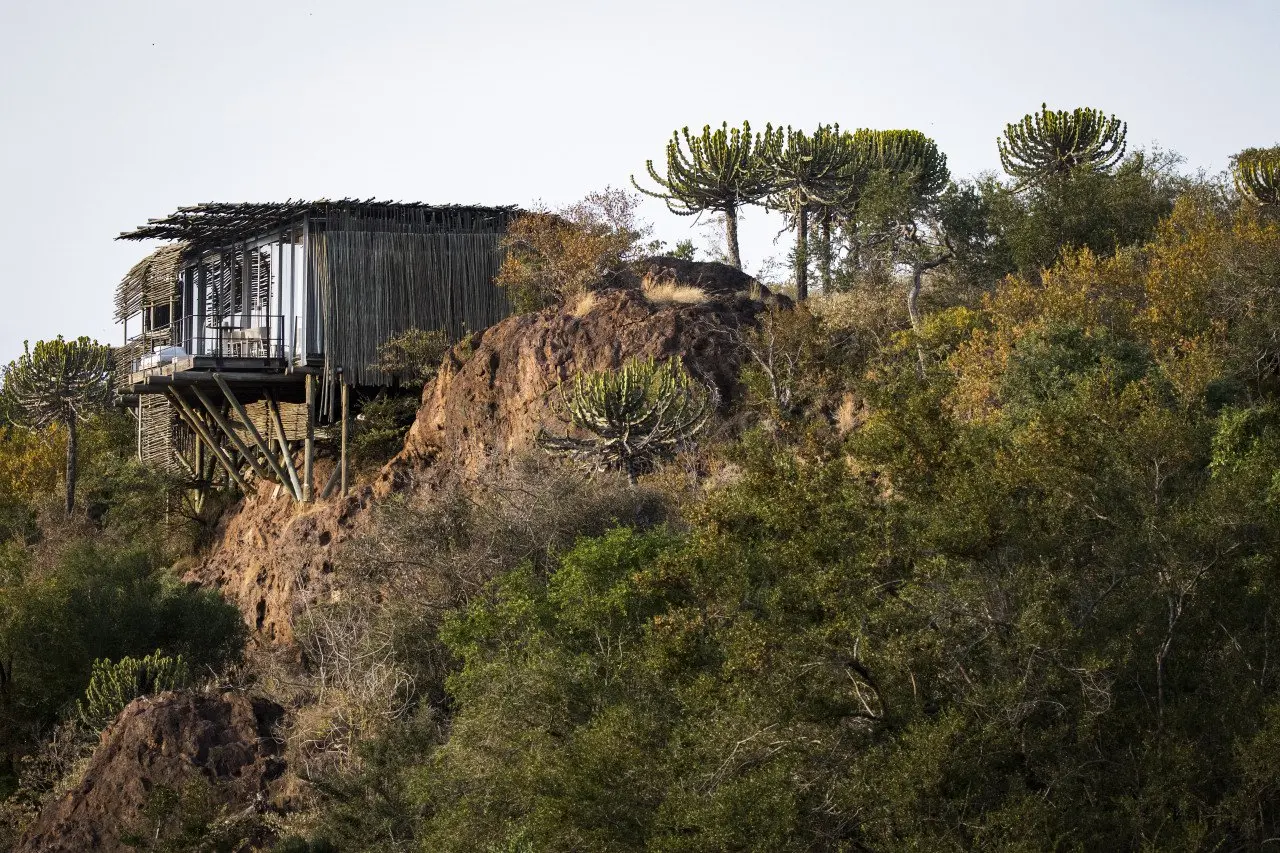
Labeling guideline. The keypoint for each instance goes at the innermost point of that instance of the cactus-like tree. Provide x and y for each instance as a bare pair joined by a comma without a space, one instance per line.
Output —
718,170
634,416
112,686
903,169
59,382
904,152
1051,143
811,172
1257,175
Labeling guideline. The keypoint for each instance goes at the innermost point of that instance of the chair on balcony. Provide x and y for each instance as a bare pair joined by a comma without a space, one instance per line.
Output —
253,342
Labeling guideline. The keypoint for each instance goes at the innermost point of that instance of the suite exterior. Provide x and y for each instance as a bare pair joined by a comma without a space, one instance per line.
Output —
245,332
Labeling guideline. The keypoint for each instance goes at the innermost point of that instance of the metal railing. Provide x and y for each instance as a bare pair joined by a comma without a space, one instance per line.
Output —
253,335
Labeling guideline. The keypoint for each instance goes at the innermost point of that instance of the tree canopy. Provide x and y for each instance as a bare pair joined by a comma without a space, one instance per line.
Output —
1058,142
718,170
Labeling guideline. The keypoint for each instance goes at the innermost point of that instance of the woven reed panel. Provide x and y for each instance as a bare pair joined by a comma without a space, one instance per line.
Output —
293,416
156,442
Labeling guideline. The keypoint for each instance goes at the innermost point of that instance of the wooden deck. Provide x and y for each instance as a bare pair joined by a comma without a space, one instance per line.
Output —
250,376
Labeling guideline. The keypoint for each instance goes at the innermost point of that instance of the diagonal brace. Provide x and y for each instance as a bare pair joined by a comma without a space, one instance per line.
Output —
193,421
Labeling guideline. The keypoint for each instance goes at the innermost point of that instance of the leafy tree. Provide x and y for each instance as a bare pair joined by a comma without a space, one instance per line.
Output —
634,416
60,382
1102,211
1051,143
719,170
555,257
1256,172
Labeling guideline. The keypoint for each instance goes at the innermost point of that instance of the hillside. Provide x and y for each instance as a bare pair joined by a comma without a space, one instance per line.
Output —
972,546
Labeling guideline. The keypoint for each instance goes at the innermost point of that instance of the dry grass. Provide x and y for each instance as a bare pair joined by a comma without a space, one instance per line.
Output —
586,302
667,292
373,655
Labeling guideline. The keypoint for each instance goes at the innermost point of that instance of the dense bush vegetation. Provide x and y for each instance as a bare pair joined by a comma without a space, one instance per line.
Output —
982,556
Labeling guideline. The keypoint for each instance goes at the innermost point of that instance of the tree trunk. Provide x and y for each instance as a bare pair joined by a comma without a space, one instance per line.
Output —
71,463
913,309
731,235
802,255
824,259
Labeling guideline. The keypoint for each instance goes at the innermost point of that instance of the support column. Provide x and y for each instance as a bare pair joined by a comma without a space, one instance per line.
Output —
193,421
273,410
230,433
309,448
346,429
263,445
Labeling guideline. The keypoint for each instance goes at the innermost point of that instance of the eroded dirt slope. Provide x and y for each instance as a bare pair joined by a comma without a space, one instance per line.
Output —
485,407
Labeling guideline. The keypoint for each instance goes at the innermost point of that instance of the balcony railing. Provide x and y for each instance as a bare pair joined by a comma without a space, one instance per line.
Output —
237,336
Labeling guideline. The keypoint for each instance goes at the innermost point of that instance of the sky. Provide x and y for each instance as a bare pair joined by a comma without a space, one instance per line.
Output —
115,111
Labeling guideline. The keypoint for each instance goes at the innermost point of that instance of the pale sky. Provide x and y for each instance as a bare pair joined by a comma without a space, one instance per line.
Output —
114,111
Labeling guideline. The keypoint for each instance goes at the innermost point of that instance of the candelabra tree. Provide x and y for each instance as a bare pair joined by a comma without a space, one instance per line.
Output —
1050,143
633,416
718,170
810,173
895,175
1257,175
59,382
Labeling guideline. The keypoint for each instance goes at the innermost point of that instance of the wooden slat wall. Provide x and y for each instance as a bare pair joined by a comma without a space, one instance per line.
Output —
376,283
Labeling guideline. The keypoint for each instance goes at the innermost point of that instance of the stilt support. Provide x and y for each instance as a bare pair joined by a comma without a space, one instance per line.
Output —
273,411
263,446
309,448
346,429
231,434
193,421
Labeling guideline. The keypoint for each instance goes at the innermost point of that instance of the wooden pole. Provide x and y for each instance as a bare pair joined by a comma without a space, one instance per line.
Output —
230,433
194,422
346,429
309,448
263,444
330,483
273,409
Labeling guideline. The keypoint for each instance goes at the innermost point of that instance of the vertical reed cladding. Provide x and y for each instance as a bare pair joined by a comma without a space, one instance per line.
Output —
402,268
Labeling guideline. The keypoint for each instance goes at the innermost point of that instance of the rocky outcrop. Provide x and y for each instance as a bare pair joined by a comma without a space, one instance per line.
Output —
486,407
164,742
489,405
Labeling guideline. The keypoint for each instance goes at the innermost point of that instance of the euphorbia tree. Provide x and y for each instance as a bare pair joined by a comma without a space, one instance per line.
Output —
59,382
1058,142
809,172
719,170
1257,175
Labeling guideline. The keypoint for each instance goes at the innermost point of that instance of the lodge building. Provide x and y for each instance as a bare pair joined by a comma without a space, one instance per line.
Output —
245,333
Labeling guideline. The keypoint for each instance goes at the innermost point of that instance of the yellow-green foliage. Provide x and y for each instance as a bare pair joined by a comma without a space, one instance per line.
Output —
1193,297
555,257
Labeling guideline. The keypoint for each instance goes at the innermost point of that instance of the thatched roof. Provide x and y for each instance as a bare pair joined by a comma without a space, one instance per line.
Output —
218,224
150,282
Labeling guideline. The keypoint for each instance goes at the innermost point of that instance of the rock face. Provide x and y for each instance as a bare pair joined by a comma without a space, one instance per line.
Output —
163,741
492,404
485,407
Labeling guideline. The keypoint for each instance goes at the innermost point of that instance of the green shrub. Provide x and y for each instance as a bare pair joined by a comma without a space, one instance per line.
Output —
112,686
413,356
